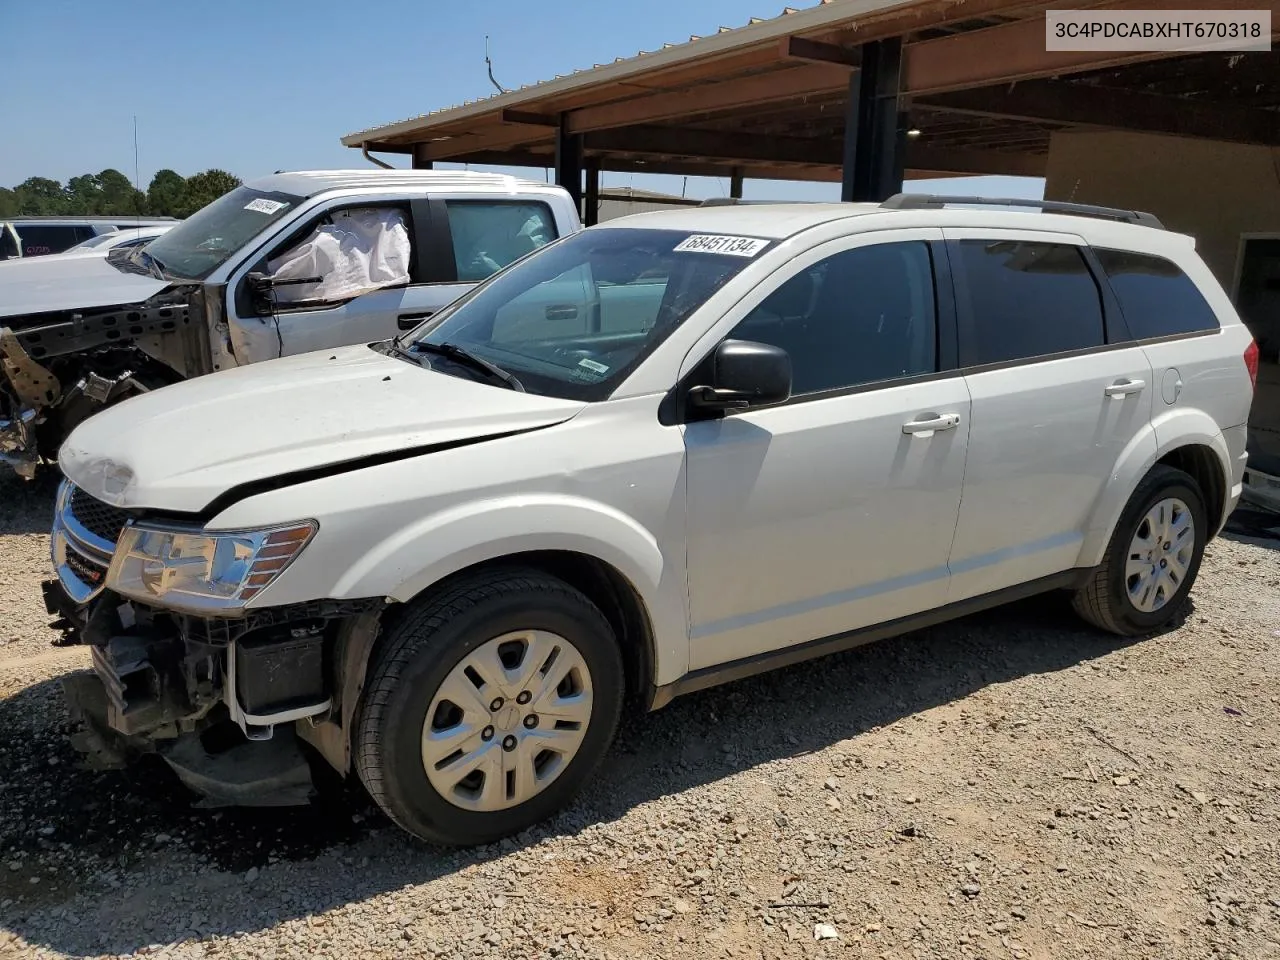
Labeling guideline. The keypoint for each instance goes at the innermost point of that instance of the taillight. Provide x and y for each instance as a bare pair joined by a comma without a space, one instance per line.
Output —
1251,363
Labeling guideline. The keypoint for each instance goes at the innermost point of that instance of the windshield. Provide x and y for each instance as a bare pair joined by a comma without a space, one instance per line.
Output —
574,318
205,240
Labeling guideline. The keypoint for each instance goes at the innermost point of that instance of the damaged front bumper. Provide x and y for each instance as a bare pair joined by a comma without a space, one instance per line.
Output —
222,701
18,444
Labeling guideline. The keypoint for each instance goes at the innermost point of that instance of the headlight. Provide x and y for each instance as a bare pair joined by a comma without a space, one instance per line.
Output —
200,571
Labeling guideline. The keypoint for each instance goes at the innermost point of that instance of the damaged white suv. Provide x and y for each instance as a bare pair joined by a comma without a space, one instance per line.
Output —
663,453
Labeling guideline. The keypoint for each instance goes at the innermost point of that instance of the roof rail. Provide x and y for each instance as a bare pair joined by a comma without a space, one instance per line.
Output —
926,201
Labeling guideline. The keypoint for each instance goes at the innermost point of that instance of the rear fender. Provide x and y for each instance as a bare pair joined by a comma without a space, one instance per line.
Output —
1177,428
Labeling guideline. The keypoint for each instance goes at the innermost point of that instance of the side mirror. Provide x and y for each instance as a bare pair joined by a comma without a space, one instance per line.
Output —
745,374
262,288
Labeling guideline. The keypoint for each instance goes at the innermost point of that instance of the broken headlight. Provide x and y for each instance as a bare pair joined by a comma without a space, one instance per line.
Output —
203,571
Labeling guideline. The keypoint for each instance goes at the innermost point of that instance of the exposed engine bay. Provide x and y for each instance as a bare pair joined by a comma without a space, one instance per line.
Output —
59,367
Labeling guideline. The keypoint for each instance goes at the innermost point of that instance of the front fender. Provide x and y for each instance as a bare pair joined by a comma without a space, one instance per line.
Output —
427,551
1166,433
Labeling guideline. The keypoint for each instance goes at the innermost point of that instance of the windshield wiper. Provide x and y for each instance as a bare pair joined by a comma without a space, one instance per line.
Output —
466,358
150,262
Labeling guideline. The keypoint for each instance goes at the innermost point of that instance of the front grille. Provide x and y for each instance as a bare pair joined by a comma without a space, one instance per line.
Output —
101,519
90,573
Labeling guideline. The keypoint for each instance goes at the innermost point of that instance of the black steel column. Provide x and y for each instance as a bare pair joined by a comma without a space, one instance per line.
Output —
735,184
591,216
569,162
875,128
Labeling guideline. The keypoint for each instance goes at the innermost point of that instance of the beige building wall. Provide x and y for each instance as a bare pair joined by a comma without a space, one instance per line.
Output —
1212,190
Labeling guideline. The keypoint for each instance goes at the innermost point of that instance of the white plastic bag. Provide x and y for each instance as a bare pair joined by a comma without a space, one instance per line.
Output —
361,250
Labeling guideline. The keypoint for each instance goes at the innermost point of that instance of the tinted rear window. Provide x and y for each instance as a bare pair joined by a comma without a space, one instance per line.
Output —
1157,298
38,240
1019,300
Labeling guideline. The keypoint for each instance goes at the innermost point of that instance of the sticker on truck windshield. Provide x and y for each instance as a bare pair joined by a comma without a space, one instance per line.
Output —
262,205
715,243
593,366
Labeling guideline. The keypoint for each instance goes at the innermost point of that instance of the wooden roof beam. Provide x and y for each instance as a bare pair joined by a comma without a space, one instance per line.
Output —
798,48
1080,105
1015,51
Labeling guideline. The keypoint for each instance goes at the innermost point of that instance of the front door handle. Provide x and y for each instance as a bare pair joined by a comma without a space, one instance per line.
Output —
407,321
1124,388
931,425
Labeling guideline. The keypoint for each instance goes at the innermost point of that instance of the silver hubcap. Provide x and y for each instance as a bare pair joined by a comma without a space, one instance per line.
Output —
1160,555
507,720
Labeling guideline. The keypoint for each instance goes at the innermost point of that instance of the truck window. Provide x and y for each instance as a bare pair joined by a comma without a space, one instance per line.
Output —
40,239
8,242
209,237
488,235
352,251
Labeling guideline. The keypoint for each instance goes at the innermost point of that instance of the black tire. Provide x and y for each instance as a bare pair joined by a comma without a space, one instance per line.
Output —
1104,600
417,656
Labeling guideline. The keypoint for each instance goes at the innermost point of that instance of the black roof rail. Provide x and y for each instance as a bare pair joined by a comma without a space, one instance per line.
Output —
927,201
732,201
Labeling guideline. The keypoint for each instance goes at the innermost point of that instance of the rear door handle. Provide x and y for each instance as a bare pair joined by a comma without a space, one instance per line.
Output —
407,321
930,426
562,311
1124,388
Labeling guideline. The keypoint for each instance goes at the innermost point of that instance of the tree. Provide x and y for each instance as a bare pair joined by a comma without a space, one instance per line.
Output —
167,194
206,187
119,195
40,197
84,194
8,203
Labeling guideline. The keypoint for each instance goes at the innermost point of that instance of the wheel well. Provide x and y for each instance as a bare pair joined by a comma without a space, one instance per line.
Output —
603,585
1203,465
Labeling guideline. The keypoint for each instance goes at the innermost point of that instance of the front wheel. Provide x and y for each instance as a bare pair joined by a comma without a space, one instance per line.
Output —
1152,559
488,707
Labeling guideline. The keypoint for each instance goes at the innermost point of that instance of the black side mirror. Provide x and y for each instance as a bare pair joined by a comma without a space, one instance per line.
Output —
745,374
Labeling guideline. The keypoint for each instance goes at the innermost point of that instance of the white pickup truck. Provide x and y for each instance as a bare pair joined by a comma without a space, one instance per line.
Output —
284,265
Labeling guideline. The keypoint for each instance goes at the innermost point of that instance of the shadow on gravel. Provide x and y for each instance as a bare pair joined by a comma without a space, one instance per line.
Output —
26,506
121,838
1249,524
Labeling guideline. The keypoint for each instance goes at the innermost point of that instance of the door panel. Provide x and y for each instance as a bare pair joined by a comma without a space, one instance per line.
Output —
817,518
1054,405
835,510
1044,440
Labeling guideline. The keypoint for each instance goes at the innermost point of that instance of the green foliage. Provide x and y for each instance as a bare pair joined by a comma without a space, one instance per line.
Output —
111,193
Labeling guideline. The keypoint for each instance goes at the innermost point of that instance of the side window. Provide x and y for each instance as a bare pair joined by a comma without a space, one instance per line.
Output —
38,240
346,253
1156,297
8,242
488,235
1018,300
859,316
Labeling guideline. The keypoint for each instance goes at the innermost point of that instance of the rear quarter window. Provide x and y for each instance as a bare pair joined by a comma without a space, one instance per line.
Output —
1156,297
38,240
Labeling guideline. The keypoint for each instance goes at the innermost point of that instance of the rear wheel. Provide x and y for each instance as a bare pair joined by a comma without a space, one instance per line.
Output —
488,707
1152,559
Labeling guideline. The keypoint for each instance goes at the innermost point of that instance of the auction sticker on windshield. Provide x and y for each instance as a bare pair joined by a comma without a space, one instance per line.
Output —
262,205
715,243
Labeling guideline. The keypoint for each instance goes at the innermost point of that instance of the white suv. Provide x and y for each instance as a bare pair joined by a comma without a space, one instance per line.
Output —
669,451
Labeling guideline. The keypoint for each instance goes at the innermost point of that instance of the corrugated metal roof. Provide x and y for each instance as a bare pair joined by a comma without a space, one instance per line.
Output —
825,14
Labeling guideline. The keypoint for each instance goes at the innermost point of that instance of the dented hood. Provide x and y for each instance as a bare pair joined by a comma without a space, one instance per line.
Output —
75,281
181,447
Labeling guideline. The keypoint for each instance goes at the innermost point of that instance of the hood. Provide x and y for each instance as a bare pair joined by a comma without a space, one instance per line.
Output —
75,281
180,447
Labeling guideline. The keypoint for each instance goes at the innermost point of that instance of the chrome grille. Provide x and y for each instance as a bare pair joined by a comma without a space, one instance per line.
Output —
101,519
85,531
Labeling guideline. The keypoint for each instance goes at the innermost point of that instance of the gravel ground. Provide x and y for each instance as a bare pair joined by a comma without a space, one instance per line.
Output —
1010,785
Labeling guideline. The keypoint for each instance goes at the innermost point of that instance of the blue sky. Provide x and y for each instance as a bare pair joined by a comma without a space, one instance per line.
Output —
253,87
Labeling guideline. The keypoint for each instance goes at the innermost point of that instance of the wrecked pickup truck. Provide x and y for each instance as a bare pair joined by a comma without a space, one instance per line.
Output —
285,265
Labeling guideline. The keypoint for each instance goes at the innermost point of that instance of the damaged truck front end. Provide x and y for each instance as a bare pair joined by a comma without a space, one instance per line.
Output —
221,695
59,367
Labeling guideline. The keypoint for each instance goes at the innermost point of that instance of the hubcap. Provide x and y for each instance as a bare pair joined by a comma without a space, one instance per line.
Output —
507,720
1160,555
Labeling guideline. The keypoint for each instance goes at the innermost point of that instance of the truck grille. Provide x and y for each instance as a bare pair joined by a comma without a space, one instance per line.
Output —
101,519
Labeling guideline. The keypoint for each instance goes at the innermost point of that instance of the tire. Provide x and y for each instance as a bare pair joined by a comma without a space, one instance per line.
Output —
1105,600
422,664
